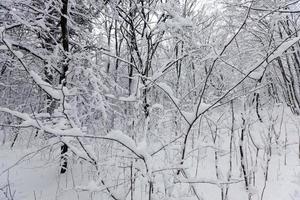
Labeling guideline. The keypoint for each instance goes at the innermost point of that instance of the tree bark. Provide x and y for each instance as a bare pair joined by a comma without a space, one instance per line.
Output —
62,78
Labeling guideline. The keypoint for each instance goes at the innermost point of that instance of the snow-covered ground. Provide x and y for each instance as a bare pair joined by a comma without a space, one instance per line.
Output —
30,171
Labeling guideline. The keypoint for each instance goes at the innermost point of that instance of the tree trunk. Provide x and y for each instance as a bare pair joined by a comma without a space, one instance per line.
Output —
62,78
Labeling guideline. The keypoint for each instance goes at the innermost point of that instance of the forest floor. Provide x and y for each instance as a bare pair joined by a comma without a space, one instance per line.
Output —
29,173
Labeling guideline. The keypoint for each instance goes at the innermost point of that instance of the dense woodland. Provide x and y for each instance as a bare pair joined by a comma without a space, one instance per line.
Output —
149,99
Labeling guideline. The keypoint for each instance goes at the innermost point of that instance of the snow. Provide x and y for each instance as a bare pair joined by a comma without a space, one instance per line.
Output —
19,54
256,74
210,56
283,47
41,23
23,116
3,47
92,186
283,183
190,116
123,139
56,130
140,150
156,75
78,151
56,94
203,107
110,96
115,149
166,88
203,180
129,99
158,106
